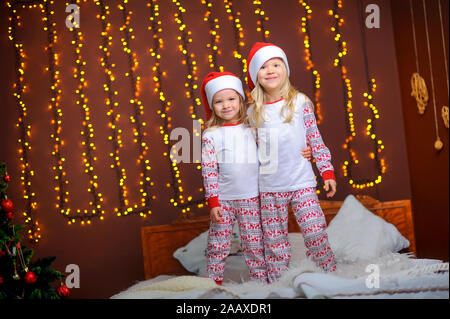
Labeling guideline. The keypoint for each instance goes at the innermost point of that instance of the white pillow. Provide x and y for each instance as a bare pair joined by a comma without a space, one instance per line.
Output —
357,234
193,255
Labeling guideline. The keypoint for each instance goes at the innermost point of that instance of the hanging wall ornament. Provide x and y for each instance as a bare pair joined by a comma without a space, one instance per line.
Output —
444,113
419,92
444,110
438,144
418,86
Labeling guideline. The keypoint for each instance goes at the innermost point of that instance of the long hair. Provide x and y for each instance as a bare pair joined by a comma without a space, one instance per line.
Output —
215,121
288,92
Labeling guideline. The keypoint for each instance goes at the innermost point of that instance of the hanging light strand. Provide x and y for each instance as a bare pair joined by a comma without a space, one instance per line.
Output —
234,17
262,19
179,199
214,37
112,105
60,177
156,28
185,40
24,140
360,183
305,29
139,135
87,133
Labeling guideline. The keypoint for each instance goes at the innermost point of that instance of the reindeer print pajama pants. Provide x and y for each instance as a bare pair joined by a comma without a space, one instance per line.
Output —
247,213
309,216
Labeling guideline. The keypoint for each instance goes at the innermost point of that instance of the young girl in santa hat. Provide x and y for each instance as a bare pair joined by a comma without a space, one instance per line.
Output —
285,121
230,176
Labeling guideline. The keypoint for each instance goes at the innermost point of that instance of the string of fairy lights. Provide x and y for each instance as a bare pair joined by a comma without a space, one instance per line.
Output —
214,37
138,131
60,175
261,22
179,199
369,101
184,39
87,132
359,183
24,141
112,105
234,17
306,31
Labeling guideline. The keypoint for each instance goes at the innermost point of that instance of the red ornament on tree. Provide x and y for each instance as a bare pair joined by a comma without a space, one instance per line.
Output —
7,205
30,277
7,178
1,280
10,215
63,291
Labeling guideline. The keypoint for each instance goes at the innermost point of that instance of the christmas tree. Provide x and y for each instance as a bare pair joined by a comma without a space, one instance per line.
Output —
20,278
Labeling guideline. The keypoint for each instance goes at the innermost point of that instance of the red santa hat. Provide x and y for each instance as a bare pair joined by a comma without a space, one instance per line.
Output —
259,54
215,82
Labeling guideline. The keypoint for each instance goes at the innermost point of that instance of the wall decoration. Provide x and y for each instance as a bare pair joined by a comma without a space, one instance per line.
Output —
23,124
179,199
354,181
137,119
262,19
444,110
305,29
87,133
214,39
438,144
418,85
234,17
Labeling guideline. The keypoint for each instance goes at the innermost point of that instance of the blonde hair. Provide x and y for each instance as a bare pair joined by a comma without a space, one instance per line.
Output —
215,121
288,92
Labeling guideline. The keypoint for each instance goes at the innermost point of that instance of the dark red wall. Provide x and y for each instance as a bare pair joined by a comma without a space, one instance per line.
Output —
428,168
109,252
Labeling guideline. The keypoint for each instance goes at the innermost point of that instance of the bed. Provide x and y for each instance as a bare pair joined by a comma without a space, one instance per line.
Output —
363,233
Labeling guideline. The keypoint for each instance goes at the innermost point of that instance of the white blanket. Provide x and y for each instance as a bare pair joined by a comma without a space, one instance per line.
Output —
392,276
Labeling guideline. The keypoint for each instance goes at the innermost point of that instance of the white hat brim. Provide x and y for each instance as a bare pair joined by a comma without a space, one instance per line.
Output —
261,56
221,83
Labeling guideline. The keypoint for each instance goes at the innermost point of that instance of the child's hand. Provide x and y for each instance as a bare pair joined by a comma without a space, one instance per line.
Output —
307,152
216,215
330,187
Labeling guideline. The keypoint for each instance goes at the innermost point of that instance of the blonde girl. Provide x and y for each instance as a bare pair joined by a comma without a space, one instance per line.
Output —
285,124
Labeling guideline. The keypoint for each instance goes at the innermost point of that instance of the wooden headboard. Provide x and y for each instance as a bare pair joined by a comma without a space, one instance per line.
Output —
160,242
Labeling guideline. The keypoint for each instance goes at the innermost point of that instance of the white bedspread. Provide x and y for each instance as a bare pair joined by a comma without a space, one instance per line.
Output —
395,276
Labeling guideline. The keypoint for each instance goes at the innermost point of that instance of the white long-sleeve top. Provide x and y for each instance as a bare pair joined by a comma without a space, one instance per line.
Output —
282,166
229,163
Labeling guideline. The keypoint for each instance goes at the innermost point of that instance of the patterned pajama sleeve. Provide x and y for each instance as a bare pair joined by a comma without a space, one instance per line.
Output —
320,152
210,170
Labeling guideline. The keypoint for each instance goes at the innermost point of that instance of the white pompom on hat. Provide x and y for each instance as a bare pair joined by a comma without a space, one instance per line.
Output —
215,82
259,54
